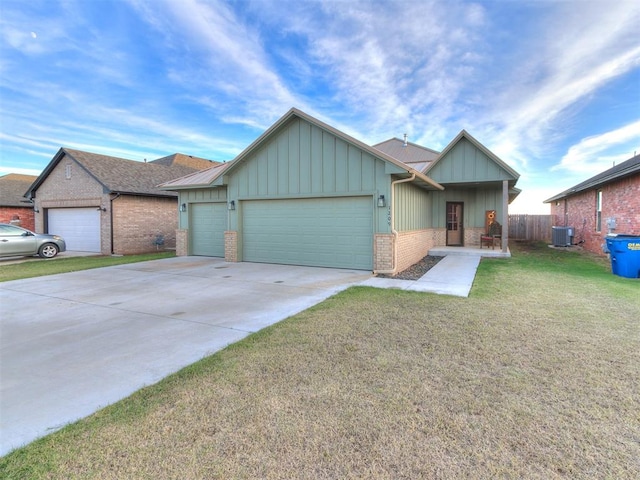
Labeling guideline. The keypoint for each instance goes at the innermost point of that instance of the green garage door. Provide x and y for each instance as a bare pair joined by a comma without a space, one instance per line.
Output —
208,221
323,232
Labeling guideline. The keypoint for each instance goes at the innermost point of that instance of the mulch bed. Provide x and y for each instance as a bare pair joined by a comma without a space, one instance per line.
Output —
417,270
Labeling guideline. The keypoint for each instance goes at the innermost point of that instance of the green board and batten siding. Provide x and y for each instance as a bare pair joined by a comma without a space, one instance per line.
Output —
465,163
307,197
325,232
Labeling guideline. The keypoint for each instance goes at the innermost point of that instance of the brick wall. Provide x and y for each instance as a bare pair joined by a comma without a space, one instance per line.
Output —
26,217
138,221
231,246
412,247
182,242
472,236
620,201
383,251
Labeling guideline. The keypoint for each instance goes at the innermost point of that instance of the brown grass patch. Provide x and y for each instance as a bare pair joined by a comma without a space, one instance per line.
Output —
536,375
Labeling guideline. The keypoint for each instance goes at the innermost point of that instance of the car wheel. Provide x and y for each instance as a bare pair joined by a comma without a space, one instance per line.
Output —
48,250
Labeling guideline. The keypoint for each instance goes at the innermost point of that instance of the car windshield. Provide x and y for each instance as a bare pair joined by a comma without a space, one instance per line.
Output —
11,231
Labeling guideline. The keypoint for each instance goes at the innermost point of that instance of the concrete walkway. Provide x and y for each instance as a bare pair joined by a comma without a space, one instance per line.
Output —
453,275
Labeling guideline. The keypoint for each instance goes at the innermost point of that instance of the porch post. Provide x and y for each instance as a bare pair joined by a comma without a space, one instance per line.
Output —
505,215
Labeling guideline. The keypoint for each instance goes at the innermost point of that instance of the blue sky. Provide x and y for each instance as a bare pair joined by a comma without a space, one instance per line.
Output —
551,87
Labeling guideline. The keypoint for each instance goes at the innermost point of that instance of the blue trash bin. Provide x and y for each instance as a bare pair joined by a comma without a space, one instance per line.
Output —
625,255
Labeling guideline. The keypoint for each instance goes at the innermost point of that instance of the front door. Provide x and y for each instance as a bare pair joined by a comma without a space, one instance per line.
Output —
455,234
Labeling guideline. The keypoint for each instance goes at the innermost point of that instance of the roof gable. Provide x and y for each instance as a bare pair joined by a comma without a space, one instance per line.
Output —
393,166
465,160
119,175
624,169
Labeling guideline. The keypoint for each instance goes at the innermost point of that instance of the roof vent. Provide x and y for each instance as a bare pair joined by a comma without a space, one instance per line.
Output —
405,140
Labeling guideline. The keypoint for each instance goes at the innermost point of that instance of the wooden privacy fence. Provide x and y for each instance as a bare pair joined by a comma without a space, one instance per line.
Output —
530,227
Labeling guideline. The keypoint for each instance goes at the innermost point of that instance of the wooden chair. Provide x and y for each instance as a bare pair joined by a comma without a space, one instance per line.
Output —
493,234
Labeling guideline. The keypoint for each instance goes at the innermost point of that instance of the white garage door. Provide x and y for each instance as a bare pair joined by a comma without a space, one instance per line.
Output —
80,227
323,232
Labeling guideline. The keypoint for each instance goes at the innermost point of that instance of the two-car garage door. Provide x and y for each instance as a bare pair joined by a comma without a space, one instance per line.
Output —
325,232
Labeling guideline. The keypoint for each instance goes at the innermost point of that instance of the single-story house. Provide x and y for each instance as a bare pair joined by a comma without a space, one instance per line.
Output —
109,205
305,193
14,208
606,203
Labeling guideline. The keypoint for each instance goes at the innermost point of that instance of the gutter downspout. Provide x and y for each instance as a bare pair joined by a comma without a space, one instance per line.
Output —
394,232
111,220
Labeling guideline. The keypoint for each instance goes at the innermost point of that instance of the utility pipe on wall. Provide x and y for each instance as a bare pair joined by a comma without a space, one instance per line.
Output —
394,232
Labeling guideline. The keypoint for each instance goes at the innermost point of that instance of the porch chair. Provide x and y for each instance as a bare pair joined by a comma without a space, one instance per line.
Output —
493,234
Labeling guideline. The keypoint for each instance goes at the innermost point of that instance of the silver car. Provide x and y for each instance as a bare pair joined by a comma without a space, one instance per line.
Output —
17,241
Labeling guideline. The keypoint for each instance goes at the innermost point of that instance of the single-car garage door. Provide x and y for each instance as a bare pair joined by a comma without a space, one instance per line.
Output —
80,227
323,232
208,222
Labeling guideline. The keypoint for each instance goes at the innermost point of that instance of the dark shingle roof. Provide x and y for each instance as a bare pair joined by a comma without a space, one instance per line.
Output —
625,169
176,159
12,188
119,175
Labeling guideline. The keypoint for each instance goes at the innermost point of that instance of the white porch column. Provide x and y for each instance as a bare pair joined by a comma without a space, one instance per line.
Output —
505,215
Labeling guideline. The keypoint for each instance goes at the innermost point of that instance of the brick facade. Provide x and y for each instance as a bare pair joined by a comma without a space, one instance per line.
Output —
620,203
139,221
182,242
412,247
383,252
231,246
26,217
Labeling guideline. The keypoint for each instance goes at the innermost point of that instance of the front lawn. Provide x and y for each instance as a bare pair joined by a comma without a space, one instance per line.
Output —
535,375
40,267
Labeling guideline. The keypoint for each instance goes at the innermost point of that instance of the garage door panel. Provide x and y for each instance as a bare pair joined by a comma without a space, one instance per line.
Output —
207,226
80,227
329,232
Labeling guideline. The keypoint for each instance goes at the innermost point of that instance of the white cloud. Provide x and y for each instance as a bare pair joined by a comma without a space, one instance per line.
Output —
597,153
582,47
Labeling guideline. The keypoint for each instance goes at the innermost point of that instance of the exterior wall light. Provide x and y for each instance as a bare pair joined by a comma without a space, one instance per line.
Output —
183,207
231,205
381,201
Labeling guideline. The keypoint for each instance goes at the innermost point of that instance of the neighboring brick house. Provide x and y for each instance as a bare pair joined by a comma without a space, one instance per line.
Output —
14,208
110,205
606,203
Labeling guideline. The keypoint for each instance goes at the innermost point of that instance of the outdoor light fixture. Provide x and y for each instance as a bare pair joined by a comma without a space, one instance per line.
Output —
36,210
231,205
381,201
183,207
101,209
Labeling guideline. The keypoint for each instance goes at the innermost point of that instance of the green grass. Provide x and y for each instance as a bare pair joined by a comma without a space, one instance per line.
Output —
535,375
38,268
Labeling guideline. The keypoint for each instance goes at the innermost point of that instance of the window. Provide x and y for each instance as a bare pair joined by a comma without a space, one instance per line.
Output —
599,211
67,171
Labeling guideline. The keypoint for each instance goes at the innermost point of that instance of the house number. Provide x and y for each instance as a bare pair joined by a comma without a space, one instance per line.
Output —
389,216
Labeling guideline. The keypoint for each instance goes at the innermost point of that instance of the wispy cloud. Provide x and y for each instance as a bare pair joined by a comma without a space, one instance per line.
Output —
597,153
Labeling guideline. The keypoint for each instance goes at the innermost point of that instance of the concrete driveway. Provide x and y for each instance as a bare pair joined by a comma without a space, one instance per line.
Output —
71,344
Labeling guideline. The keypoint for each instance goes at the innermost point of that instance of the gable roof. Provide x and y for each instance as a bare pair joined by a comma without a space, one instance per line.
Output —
464,134
625,169
404,170
119,175
12,188
412,154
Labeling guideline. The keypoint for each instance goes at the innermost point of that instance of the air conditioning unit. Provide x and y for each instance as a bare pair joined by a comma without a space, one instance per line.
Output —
562,236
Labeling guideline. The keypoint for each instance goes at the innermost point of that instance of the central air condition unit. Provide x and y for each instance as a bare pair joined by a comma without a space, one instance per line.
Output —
562,236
